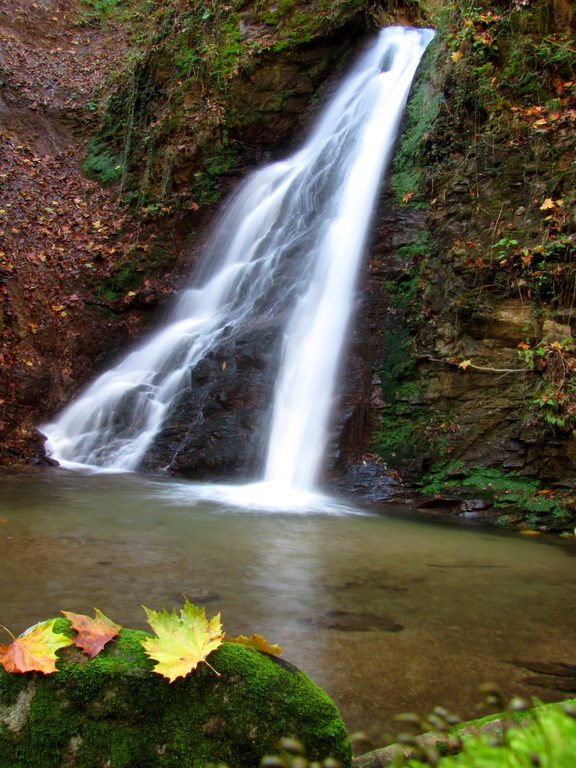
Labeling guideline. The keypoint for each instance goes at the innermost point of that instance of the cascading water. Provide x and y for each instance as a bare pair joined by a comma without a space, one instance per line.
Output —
290,240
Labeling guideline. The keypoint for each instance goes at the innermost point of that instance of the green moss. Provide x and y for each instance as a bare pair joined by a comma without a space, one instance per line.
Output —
101,164
176,97
129,274
205,188
403,291
521,499
407,426
10,687
294,26
401,432
421,112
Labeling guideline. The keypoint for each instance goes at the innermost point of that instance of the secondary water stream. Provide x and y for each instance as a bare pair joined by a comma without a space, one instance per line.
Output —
387,614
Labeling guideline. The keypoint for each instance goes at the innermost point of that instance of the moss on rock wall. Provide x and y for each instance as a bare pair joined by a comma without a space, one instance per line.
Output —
210,81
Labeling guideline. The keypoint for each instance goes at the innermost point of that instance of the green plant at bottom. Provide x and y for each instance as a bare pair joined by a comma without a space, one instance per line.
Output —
556,396
545,739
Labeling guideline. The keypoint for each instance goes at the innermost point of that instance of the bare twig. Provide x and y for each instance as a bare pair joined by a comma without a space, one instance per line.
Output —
483,368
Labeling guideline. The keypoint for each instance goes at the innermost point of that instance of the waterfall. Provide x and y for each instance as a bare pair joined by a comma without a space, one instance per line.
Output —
289,241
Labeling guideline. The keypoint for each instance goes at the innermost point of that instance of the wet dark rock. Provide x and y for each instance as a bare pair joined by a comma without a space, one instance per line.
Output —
472,507
368,480
215,427
438,502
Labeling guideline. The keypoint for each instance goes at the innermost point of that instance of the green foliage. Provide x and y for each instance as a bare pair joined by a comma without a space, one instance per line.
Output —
545,271
129,274
205,188
98,10
101,165
534,53
291,753
509,492
546,740
480,477
556,396
502,246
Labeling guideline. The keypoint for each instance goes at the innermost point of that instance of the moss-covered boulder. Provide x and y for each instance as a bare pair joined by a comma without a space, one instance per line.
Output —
114,711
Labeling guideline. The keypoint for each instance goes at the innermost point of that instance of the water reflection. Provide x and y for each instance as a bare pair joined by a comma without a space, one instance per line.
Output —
385,613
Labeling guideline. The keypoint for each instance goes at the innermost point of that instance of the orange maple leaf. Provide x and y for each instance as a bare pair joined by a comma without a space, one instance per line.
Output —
93,634
258,642
34,650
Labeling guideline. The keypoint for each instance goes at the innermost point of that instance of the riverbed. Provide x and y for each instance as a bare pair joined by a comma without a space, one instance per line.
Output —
387,613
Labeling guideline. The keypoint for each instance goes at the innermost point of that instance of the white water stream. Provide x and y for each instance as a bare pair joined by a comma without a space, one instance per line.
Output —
290,240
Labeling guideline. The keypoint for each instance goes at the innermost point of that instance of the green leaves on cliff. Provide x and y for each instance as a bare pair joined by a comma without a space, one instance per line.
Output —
181,641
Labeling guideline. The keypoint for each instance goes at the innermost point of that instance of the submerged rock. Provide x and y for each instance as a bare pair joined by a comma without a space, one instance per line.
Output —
113,711
347,621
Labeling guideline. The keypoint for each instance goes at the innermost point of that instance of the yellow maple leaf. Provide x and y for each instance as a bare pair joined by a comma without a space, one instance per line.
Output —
181,642
547,204
34,650
258,642
465,364
456,56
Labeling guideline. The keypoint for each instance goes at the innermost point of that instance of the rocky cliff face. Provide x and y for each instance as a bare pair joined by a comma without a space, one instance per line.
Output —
474,251
462,353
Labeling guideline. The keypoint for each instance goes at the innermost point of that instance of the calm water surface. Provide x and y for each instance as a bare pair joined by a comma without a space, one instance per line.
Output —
446,608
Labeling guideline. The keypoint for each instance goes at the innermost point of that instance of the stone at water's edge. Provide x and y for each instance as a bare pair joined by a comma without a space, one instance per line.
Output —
113,711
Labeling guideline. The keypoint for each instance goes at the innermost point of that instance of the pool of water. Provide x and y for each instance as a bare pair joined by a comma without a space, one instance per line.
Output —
388,614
